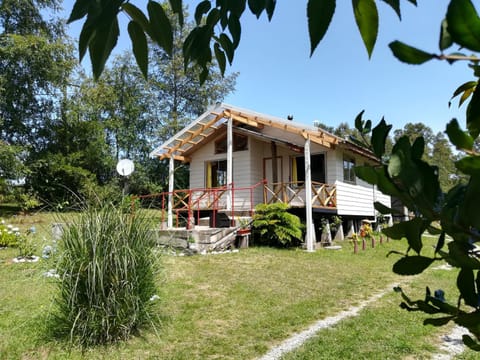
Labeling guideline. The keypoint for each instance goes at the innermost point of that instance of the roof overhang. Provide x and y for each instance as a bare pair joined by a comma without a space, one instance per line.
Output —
210,123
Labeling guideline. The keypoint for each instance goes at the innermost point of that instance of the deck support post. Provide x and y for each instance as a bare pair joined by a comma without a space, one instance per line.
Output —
229,163
310,231
171,168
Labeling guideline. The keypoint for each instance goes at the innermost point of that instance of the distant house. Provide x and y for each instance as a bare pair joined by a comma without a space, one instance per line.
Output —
239,158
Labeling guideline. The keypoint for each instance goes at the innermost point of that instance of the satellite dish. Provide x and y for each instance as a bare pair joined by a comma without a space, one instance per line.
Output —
125,167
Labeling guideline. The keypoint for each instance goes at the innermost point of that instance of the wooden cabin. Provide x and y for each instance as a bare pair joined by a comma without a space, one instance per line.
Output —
239,158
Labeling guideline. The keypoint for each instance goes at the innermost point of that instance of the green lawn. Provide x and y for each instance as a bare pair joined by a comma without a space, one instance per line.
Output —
238,305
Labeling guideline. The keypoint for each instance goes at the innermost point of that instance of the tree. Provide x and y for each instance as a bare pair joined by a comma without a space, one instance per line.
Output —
179,94
403,172
35,61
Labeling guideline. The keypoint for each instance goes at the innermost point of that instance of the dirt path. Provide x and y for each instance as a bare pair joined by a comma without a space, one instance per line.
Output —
298,339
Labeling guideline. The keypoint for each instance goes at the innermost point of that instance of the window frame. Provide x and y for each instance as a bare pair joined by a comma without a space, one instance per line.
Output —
348,165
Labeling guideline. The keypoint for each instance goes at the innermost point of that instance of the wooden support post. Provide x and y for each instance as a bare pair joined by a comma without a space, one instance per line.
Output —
171,180
229,163
309,236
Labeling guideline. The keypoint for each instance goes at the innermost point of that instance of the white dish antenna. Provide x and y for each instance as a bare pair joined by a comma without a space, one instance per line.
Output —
125,167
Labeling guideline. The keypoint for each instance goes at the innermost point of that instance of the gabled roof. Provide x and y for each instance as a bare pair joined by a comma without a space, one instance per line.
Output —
210,123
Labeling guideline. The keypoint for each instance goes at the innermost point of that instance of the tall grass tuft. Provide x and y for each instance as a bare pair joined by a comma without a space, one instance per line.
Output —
107,269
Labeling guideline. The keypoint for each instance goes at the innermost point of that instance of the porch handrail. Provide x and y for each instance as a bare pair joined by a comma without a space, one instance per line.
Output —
190,200
323,195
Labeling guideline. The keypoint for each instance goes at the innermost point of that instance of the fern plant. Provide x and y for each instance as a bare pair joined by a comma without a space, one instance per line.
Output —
276,226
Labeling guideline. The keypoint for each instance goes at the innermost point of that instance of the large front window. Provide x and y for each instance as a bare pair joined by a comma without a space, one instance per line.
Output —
317,168
348,169
216,173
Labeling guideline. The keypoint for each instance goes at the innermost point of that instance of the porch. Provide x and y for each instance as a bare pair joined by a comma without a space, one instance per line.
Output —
189,206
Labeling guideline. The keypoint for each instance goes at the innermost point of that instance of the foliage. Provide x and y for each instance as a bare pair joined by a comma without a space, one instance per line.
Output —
276,226
8,235
26,245
404,172
35,61
217,32
107,269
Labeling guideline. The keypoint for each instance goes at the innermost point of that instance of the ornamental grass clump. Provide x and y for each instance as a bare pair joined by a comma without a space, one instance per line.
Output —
107,268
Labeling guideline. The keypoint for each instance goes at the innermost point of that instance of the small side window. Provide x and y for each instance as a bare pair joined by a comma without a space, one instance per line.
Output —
348,169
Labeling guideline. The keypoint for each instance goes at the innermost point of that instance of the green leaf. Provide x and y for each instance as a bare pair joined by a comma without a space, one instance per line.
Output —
464,24
86,35
221,59
161,28
176,6
440,242
395,5
411,265
235,29
139,46
137,15
460,257
409,54
201,9
382,209
213,17
256,7
412,230
418,147
359,121
457,137
366,173
79,10
466,285
102,44
227,46
319,14
469,212
270,7
465,86
366,16
379,137
445,40
473,114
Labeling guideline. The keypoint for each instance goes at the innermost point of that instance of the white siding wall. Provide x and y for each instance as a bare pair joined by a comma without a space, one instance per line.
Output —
354,199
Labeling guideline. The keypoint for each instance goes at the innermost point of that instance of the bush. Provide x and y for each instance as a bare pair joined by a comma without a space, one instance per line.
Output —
276,226
106,267
8,235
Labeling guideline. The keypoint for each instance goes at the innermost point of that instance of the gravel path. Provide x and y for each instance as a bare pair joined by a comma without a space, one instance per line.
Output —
298,339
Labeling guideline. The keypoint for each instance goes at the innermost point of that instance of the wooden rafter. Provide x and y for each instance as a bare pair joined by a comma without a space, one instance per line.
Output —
317,136
194,134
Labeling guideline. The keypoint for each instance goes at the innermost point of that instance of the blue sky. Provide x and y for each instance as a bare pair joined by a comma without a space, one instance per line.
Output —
278,77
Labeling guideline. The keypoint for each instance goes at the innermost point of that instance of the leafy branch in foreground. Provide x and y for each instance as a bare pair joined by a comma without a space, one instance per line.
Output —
217,32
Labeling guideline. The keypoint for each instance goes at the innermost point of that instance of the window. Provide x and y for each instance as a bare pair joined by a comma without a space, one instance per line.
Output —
216,173
348,169
317,168
240,143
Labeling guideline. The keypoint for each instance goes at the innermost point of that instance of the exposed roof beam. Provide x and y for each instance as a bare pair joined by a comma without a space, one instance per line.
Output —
181,158
195,133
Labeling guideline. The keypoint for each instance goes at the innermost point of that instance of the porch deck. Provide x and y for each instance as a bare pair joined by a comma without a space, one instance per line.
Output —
192,204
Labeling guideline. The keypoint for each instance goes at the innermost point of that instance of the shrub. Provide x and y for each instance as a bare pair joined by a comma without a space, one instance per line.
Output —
276,226
106,267
8,235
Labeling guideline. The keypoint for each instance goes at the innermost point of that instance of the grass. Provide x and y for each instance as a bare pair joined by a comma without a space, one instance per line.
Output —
239,305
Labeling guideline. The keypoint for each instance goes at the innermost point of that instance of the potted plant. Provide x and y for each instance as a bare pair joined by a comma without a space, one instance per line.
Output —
244,225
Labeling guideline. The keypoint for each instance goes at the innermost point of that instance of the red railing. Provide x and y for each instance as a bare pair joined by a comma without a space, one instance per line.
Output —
192,201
